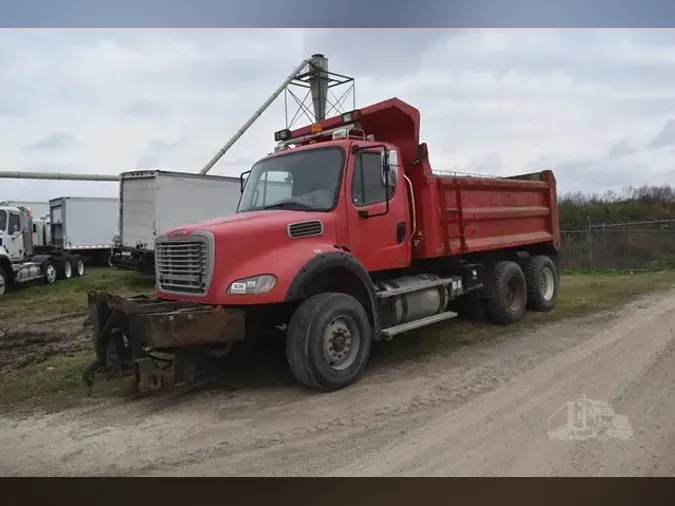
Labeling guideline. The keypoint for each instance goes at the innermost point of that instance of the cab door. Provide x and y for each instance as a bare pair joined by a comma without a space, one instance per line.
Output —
379,230
15,244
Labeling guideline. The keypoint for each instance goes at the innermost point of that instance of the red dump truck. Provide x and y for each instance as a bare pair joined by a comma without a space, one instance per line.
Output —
343,235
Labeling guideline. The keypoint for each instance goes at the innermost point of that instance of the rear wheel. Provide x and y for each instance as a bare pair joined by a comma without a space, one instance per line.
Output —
328,341
508,300
542,283
78,262
65,270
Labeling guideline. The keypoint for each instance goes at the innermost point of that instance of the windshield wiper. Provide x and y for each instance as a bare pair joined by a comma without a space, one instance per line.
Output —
290,204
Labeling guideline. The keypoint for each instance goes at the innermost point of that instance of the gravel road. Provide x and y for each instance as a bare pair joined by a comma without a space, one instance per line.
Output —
480,410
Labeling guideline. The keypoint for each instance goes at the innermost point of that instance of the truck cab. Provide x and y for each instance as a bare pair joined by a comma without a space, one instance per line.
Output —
14,226
317,197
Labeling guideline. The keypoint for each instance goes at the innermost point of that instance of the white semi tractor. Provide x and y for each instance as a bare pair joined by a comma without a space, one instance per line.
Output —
22,262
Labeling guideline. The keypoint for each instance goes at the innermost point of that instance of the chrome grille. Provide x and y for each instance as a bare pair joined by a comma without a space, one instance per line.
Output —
305,229
183,266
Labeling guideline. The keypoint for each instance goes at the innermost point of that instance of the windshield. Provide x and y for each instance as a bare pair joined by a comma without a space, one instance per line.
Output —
303,180
3,220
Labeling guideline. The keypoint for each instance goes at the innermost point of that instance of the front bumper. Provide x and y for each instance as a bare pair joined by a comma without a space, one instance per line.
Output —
130,333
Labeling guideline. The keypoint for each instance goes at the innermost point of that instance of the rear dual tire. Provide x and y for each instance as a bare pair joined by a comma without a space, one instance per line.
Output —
543,282
507,302
516,290
70,266
328,341
78,263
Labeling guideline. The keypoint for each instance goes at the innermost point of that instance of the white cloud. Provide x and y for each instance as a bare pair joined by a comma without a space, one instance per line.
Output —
590,104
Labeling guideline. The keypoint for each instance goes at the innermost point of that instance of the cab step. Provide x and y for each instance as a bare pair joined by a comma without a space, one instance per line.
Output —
405,327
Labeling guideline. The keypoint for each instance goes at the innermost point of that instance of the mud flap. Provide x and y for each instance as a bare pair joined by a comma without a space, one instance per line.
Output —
160,343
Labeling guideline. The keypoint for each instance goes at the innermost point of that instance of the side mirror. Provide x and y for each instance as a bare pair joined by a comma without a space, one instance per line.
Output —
389,167
243,178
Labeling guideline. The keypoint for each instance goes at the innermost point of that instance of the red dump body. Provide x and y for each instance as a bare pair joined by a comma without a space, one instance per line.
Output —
471,214
456,215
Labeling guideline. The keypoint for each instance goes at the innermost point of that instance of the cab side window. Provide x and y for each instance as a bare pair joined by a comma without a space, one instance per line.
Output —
367,185
14,223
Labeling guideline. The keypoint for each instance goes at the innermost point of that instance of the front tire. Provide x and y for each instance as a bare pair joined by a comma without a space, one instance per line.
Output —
328,341
508,302
50,272
4,282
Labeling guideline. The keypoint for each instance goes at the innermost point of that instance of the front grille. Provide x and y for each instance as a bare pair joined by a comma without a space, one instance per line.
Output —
183,266
305,229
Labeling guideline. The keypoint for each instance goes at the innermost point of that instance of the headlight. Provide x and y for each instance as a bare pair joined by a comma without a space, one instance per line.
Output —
256,284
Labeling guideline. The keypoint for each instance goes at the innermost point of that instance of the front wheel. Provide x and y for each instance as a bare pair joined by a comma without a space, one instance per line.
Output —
4,283
50,274
328,341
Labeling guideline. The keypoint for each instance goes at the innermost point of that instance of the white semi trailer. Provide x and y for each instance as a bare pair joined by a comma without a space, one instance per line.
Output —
84,226
152,201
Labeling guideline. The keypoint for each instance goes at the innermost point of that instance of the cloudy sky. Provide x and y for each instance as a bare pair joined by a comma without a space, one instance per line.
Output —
596,106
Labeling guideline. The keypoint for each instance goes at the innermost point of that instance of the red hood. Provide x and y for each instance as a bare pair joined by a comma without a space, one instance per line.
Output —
258,242
254,219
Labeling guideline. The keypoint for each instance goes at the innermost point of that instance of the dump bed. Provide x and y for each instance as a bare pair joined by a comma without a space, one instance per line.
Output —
466,214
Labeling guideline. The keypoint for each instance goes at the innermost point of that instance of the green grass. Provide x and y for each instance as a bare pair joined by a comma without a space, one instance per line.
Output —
57,384
70,296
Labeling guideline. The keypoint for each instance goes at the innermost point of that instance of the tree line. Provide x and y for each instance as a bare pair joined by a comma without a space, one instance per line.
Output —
641,203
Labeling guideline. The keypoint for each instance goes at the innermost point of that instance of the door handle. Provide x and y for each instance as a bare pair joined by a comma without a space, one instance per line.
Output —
400,232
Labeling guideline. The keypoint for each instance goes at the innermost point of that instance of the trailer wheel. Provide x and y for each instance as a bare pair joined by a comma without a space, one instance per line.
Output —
542,283
3,282
50,273
78,261
328,341
508,301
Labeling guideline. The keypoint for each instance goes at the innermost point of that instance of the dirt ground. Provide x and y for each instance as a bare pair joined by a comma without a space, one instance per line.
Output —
482,410
34,340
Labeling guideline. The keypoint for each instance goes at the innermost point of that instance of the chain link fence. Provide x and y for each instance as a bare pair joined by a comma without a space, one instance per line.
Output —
623,246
